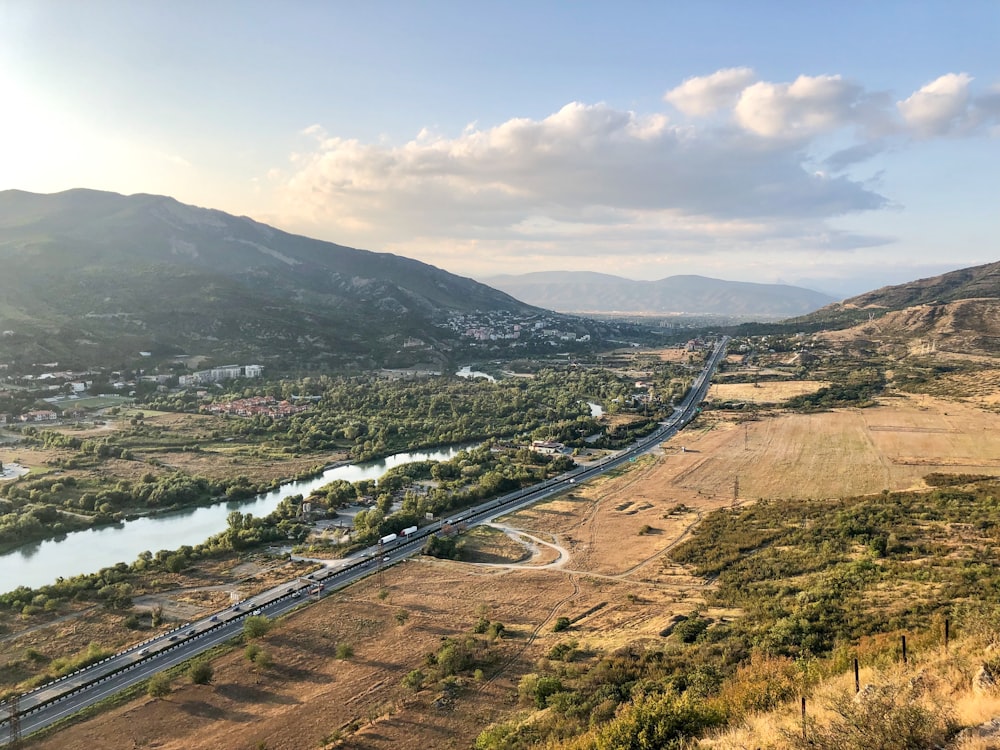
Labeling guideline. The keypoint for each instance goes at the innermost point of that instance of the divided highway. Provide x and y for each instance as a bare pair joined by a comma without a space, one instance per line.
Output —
57,700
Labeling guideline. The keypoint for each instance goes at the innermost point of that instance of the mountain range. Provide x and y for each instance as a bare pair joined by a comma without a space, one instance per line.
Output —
90,275
585,292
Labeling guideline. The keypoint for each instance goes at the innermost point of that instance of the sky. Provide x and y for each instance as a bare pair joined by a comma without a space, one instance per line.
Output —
840,145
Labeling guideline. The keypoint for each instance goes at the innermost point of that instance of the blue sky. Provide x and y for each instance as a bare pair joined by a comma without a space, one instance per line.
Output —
839,145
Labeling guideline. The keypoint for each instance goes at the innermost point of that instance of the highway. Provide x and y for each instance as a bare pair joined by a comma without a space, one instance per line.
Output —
57,700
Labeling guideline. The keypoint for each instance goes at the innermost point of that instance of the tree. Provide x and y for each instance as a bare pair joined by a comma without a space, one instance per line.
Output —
201,672
158,685
255,626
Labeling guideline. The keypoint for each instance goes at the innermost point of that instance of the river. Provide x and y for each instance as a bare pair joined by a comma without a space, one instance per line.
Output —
88,551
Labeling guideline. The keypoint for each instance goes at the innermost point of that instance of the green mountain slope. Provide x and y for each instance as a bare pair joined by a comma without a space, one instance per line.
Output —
93,276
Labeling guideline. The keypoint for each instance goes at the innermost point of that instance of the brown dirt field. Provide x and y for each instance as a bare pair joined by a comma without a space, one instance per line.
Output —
615,583
890,446
309,694
486,545
675,355
766,392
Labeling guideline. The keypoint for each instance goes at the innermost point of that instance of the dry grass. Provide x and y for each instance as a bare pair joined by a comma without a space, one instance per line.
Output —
941,683
765,392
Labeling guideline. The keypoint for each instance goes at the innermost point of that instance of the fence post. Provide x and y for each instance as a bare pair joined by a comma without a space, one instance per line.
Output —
857,677
947,623
904,648
803,717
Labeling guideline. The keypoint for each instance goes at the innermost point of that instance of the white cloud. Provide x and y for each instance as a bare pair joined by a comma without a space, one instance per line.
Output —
806,107
592,181
704,95
581,159
940,107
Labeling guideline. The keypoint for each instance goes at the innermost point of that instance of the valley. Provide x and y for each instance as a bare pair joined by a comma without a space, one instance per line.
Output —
833,492
617,596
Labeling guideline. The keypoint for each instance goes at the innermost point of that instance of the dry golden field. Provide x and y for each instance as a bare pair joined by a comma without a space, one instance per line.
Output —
768,392
597,553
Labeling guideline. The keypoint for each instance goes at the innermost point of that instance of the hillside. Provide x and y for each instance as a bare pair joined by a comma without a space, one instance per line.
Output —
934,293
585,292
93,276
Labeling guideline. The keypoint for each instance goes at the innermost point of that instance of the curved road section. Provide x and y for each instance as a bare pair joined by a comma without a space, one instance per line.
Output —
66,696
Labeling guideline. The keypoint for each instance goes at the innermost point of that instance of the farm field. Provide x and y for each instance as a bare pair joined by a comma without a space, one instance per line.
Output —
768,392
598,558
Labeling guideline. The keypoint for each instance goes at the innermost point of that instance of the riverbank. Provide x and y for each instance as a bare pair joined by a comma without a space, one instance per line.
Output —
86,551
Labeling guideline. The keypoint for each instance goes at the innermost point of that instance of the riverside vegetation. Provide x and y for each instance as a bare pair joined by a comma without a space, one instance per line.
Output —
90,482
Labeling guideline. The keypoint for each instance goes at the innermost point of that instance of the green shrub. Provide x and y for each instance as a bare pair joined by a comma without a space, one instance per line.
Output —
158,685
200,672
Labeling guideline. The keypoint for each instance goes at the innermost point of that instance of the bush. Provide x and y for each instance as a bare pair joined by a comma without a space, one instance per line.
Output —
887,717
664,721
414,680
562,623
251,652
345,650
201,672
158,685
688,630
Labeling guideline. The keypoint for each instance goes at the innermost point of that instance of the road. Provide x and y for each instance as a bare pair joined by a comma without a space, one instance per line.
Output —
57,700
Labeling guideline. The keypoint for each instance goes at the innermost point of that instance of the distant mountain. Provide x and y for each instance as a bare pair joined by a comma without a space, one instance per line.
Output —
93,276
959,310
585,292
